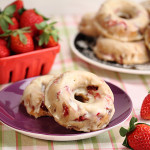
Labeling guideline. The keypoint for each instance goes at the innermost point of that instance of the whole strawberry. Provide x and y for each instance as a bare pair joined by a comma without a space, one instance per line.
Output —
145,109
137,136
29,18
21,41
3,42
6,19
4,51
19,7
48,34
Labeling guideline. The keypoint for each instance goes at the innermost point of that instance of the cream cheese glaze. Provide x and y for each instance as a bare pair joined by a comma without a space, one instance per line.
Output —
80,100
121,20
34,95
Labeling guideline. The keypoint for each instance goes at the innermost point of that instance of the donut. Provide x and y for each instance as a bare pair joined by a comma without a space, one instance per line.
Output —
147,37
122,20
86,25
33,96
121,52
80,100
146,5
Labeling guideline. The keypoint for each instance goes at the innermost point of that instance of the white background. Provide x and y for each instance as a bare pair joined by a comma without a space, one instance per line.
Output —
61,7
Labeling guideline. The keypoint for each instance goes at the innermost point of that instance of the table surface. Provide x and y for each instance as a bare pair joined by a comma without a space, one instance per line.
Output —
136,86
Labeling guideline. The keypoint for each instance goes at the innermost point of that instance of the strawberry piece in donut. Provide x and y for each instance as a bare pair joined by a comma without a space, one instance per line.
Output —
121,20
79,100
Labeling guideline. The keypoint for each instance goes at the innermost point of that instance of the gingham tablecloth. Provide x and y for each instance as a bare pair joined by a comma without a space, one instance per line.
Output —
136,86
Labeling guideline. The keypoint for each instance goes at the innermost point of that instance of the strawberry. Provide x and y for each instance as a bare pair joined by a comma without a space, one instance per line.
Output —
4,51
48,34
145,109
20,40
137,136
19,7
6,19
29,18
51,42
3,42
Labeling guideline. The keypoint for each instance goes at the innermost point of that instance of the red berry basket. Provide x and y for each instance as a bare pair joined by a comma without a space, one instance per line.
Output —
26,65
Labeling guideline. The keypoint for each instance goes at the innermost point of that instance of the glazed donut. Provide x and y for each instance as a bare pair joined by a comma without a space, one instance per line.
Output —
121,52
33,96
86,25
147,37
146,5
122,20
80,100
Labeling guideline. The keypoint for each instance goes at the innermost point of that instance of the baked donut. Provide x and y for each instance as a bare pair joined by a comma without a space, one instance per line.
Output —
146,5
122,20
86,25
121,52
147,37
80,100
33,96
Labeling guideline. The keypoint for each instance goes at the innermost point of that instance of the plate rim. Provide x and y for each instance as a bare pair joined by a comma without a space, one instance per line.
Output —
60,137
104,66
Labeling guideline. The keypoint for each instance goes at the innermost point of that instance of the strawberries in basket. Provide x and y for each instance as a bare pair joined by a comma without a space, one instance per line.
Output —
24,30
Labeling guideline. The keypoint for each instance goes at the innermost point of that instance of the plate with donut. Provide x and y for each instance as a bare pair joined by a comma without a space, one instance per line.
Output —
14,114
115,38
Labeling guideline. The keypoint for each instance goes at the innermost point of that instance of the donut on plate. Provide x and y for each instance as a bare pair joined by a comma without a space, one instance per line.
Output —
146,5
86,25
147,37
122,20
121,52
80,100
33,96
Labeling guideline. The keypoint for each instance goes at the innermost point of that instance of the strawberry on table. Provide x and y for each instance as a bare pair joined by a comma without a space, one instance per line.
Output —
137,135
6,19
145,109
4,51
29,18
48,34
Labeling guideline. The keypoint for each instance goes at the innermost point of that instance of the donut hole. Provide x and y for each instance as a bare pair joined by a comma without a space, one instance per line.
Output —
80,97
124,15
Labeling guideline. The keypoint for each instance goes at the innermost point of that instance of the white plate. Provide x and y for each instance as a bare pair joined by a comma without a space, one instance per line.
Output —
88,56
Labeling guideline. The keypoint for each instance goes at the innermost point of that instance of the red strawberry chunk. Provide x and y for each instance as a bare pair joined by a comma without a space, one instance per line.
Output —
65,110
81,118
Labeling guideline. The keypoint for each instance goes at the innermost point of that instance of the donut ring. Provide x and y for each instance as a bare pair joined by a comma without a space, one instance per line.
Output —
121,52
33,96
80,100
146,5
147,37
86,25
122,20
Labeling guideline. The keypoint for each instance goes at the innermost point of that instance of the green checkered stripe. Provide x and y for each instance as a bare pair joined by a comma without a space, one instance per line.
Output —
136,86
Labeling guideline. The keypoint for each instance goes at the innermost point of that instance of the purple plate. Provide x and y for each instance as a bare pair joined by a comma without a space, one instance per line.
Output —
15,116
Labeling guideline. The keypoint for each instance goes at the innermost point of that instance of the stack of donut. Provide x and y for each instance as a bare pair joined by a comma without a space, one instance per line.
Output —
122,32
83,104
